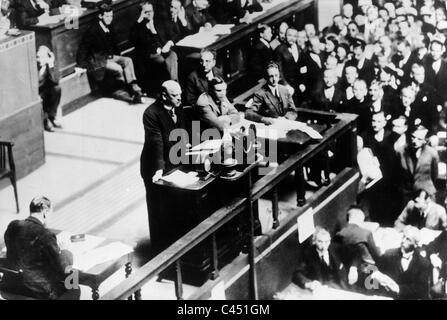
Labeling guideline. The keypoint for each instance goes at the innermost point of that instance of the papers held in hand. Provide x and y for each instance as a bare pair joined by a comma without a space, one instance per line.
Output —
180,178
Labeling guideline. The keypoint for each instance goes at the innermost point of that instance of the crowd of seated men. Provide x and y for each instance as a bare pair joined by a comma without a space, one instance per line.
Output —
386,62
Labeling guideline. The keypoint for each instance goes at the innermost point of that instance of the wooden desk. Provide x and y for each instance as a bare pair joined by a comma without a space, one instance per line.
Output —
93,276
64,39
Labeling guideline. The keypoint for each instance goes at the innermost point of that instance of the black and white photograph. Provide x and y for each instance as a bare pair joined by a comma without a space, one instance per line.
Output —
229,150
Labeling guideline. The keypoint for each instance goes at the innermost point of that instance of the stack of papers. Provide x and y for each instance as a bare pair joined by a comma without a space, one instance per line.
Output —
198,40
279,129
180,178
80,247
428,235
51,20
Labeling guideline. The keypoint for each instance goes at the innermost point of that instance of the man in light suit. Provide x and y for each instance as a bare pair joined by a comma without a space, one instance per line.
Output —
214,109
272,101
417,165
422,212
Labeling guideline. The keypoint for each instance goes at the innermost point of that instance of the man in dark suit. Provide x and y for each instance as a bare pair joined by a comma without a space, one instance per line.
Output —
422,212
272,101
320,264
49,89
406,271
424,110
155,59
31,12
365,67
98,54
436,69
403,60
160,119
261,53
358,249
198,16
294,66
352,235
197,81
175,27
32,248
381,140
230,11
328,96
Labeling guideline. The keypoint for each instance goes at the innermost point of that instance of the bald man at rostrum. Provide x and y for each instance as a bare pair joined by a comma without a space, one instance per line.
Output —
160,119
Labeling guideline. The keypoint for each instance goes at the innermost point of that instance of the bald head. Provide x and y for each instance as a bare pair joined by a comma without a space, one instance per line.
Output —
171,93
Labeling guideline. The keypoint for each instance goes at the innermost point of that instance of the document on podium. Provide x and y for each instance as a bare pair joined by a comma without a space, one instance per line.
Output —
198,40
51,19
180,178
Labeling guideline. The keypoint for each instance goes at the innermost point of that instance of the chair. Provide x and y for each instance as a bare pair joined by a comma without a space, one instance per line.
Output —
7,168
5,270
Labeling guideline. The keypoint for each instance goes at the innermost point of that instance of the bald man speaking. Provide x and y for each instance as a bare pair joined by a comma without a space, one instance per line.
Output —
160,119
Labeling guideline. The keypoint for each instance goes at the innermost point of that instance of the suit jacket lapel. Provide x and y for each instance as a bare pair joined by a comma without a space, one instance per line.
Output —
273,99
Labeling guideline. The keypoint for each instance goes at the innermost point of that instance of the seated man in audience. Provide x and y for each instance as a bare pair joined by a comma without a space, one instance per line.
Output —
32,248
49,89
417,165
214,109
272,101
155,57
364,66
198,80
320,265
422,212
175,27
31,12
233,11
403,272
198,16
99,55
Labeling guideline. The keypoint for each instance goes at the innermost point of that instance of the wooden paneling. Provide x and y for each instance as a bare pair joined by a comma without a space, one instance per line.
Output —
20,104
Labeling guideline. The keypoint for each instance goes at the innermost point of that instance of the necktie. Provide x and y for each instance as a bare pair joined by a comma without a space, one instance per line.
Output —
173,115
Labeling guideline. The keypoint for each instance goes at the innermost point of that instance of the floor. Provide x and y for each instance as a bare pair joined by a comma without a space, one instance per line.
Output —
91,175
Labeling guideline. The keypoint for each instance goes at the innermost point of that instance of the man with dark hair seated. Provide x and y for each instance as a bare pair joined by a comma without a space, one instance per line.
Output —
155,58
422,212
34,250
49,89
99,55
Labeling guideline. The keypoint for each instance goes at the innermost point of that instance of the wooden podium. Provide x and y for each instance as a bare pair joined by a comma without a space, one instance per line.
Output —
20,104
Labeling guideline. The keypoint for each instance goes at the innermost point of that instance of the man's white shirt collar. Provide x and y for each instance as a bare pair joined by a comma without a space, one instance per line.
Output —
103,27
265,42
437,65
